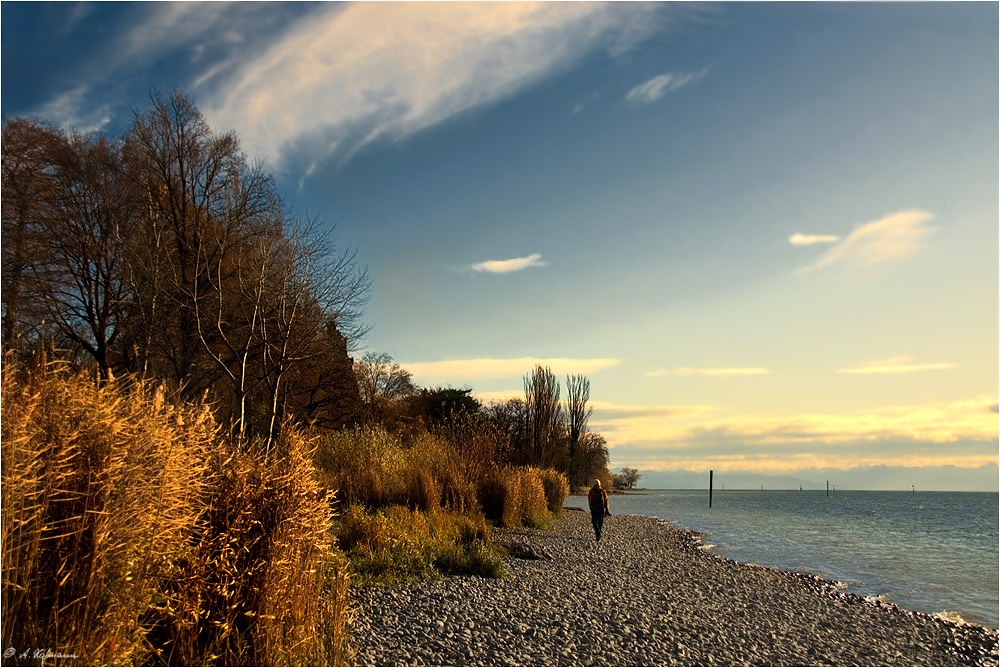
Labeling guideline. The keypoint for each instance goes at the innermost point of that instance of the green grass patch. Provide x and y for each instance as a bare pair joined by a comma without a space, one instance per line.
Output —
398,543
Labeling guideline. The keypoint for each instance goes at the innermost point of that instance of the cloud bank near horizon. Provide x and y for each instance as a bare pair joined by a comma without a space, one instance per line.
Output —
463,370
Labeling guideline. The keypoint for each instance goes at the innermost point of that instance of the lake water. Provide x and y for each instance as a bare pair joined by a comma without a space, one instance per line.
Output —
933,552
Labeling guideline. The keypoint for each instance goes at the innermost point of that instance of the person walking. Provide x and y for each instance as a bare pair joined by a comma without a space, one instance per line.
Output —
598,500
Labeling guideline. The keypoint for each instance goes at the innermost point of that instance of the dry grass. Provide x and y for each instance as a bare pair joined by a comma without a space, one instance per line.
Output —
375,468
556,486
134,534
100,493
517,496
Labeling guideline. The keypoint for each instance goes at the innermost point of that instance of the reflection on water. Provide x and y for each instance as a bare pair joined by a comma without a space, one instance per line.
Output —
926,551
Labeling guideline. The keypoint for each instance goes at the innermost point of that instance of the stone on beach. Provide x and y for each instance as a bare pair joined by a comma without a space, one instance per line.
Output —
645,595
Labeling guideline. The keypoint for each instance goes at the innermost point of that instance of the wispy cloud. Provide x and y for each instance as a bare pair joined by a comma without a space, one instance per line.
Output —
365,71
812,239
68,110
897,365
894,237
507,266
462,370
718,373
144,33
658,86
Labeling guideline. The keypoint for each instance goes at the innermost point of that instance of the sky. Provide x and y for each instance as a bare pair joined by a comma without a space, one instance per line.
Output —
766,232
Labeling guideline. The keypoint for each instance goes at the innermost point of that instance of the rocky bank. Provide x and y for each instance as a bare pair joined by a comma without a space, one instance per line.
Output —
647,594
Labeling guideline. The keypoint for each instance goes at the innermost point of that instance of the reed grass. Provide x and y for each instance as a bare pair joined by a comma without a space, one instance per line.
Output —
134,534
517,496
375,468
556,486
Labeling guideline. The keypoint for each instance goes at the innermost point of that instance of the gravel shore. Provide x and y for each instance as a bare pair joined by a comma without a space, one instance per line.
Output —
647,594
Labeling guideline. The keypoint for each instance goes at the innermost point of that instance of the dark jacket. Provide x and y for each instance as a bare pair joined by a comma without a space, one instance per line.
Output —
598,500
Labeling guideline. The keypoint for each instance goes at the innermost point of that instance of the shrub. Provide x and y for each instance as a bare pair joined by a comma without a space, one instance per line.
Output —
364,464
374,468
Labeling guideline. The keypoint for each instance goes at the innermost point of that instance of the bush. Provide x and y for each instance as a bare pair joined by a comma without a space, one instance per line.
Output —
365,465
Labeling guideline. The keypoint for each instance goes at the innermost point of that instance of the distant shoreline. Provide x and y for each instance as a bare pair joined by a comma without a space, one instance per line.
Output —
648,594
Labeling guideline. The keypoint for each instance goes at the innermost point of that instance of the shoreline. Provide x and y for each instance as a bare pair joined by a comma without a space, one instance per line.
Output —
648,594
903,570
836,586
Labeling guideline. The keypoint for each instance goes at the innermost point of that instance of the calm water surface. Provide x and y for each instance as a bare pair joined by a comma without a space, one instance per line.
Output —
928,551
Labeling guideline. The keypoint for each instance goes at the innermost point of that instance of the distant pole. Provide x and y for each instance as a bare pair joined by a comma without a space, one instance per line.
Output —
828,488
711,473
914,488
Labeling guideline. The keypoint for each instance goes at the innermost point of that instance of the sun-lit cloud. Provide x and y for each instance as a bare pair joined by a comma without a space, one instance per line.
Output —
812,239
652,90
894,237
713,373
506,266
487,398
897,365
960,433
365,71
461,370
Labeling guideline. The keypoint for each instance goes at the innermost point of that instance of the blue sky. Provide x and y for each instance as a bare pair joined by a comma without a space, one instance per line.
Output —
768,233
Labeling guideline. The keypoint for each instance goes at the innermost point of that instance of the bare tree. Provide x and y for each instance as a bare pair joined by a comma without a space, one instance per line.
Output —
578,391
312,291
630,476
28,156
70,217
541,400
381,379
200,198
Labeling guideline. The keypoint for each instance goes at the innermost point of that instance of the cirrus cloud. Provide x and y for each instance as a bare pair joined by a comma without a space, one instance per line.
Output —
887,239
347,75
658,86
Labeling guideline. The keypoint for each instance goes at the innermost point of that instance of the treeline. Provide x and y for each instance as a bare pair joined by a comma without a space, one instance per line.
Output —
540,429
166,254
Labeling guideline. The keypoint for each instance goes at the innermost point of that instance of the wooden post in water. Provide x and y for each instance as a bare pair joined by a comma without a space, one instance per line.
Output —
711,473
828,488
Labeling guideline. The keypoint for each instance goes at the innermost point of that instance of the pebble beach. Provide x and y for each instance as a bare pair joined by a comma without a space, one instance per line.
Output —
647,594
